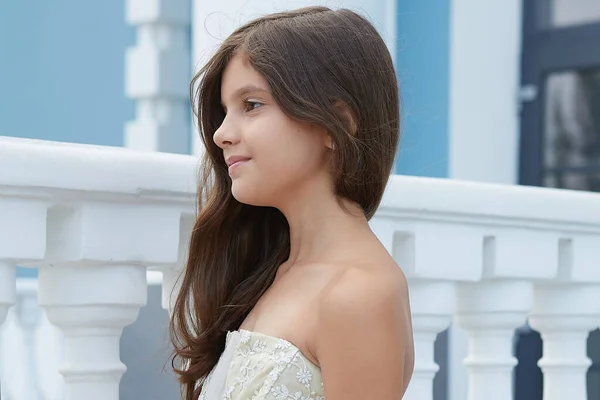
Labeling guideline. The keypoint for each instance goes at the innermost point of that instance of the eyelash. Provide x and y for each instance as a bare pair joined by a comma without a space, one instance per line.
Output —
248,105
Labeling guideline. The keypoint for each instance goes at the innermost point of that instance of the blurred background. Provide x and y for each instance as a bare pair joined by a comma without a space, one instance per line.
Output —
503,91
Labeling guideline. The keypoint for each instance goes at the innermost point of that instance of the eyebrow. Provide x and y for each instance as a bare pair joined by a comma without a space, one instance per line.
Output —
245,90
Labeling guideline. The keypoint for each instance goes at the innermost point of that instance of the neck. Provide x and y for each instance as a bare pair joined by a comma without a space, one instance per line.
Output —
318,223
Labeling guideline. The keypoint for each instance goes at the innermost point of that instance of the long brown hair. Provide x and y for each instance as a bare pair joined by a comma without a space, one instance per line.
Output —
317,62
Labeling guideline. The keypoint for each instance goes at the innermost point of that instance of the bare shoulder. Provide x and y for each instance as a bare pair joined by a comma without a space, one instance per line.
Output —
362,285
364,342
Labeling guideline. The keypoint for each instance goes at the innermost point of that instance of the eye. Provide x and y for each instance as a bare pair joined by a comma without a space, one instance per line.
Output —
250,105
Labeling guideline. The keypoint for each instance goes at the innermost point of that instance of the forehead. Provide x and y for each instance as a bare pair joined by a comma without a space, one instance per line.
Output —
237,74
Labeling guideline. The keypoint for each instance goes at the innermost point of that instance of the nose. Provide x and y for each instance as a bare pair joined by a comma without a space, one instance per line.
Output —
226,135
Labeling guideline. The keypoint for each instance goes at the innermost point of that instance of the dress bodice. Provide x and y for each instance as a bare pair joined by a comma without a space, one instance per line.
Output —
255,366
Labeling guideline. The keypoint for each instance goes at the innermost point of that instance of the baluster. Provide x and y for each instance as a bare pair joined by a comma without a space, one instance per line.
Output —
8,288
92,305
490,311
28,314
172,274
432,306
564,314
94,284
7,299
170,287
565,310
22,240
49,356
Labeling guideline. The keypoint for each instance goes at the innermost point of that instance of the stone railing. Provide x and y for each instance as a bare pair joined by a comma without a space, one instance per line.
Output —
93,220
488,257
31,348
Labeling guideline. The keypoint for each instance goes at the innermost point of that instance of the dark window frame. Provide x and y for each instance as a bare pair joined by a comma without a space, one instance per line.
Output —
546,51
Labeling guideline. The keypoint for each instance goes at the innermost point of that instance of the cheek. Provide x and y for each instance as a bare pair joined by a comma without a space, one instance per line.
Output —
284,156
272,176
293,162
297,150
281,146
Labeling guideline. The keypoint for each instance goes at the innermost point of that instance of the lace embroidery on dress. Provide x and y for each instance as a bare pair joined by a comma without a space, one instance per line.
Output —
267,368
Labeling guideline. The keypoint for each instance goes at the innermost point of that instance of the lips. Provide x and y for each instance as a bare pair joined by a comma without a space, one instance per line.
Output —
232,160
236,164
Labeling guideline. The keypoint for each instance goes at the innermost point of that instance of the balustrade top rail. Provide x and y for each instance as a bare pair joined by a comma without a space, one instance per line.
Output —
435,198
43,167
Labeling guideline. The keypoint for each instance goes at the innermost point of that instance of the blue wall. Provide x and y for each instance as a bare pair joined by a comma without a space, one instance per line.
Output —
422,61
61,71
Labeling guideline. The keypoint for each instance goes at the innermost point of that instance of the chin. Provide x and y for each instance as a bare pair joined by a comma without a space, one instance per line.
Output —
247,194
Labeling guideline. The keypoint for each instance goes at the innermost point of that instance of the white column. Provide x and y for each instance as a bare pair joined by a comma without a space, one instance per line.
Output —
564,314
158,75
458,345
172,274
484,135
28,314
170,287
49,356
432,306
8,288
7,299
92,305
490,311
22,239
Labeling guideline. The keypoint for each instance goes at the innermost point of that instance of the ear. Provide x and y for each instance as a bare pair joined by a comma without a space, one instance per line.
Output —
328,142
347,116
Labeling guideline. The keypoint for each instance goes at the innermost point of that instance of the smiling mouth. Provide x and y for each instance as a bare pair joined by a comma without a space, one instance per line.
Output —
236,164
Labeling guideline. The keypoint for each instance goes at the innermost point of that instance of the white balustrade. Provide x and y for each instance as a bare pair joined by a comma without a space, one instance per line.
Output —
157,75
487,257
91,219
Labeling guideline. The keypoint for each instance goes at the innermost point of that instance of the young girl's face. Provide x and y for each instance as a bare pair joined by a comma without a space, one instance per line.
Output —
272,159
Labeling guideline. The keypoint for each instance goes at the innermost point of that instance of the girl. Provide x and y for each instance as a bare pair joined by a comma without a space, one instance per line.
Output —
287,293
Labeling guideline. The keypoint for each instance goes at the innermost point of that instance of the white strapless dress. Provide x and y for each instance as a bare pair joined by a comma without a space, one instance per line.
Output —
255,366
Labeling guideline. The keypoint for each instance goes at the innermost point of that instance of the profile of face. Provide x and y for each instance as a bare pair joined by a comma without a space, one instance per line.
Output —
271,158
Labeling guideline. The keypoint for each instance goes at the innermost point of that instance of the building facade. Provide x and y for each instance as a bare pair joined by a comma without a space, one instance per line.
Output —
496,91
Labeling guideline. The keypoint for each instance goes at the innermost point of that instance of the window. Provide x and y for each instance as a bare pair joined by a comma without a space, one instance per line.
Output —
571,130
560,132
574,12
560,112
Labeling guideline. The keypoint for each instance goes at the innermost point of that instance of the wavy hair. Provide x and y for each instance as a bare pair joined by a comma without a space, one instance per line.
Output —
314,60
